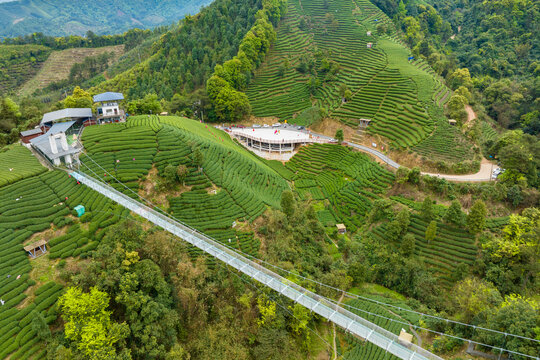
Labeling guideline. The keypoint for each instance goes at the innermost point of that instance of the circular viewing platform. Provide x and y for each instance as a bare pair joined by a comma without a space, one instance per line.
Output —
271,139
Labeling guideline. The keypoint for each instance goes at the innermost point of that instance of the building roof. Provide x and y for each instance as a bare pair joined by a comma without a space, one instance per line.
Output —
108,96
67,113
35,245
42,142
31,132
340,226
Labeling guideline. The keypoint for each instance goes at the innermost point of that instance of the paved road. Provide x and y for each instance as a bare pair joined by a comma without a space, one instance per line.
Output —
486,168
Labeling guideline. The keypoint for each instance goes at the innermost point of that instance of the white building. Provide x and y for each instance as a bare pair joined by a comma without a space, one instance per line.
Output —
108,109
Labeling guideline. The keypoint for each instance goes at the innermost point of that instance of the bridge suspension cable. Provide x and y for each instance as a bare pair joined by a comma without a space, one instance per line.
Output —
340,290
349,321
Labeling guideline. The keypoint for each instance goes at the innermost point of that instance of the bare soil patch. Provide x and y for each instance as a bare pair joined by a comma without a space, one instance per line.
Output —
329,126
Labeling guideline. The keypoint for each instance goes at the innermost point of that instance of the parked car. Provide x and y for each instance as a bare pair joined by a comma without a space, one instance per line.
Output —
256,126
266,125
276,125
300,128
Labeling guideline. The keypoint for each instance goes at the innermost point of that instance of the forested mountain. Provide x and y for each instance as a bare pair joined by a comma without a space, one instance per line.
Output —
493,45
185,57
59,18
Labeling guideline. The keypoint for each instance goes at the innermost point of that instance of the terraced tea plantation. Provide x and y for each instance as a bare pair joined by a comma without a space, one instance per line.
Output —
385,87
19,63
348,179
28,207
451,246
17,163
231,184
381,316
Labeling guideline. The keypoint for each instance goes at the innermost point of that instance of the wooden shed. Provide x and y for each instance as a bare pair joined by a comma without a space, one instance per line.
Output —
452,122
341,229
36,249
28,135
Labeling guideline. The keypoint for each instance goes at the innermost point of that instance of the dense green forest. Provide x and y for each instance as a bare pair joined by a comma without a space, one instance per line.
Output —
60,18
490,47
185,57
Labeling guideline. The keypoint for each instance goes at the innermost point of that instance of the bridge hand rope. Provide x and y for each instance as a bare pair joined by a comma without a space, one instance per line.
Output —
416,327
353,295
340,290
353,323
325,285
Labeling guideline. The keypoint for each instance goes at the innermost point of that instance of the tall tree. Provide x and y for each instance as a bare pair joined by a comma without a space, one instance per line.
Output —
476,220
454,214
88,324
431,231
427,209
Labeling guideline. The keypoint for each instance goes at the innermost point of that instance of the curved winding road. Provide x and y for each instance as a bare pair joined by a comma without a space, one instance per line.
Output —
486,168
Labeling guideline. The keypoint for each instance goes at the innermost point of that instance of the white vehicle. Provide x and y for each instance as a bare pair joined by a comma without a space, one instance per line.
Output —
276,125
256,126
266,125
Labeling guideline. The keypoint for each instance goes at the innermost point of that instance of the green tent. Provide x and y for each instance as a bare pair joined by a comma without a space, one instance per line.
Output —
80,210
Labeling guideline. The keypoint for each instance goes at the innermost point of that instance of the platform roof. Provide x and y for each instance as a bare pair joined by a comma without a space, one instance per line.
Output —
31,132
108,96
70,113
42,142
270,135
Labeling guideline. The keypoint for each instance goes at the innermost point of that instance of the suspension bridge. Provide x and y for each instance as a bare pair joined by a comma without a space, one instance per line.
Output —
347,320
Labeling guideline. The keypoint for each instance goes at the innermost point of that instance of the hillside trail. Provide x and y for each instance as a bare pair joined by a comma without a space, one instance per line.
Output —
471,115
334,329
484,174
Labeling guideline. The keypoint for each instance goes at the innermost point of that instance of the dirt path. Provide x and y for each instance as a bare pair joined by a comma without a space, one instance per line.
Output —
486,169
334,328
471,115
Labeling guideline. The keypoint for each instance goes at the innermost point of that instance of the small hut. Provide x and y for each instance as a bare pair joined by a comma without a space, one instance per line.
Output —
341,229
28,135
405,338
36,249
363,123
452,122
369,45
164,113
368,33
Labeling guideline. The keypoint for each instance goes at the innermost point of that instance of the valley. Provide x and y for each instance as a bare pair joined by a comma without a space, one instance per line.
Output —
143,214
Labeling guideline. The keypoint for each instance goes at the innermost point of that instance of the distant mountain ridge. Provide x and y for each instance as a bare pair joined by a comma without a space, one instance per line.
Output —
60,18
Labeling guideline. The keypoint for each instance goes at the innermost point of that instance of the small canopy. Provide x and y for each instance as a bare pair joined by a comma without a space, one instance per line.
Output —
341,228
35,245
69,113
452,122
108,96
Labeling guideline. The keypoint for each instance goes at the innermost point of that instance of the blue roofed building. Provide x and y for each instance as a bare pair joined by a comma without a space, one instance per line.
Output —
108,108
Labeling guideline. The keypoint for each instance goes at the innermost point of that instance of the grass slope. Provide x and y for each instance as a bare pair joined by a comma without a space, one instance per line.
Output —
59,64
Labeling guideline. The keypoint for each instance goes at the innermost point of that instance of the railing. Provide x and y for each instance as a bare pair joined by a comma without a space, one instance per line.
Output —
349,321
271,141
